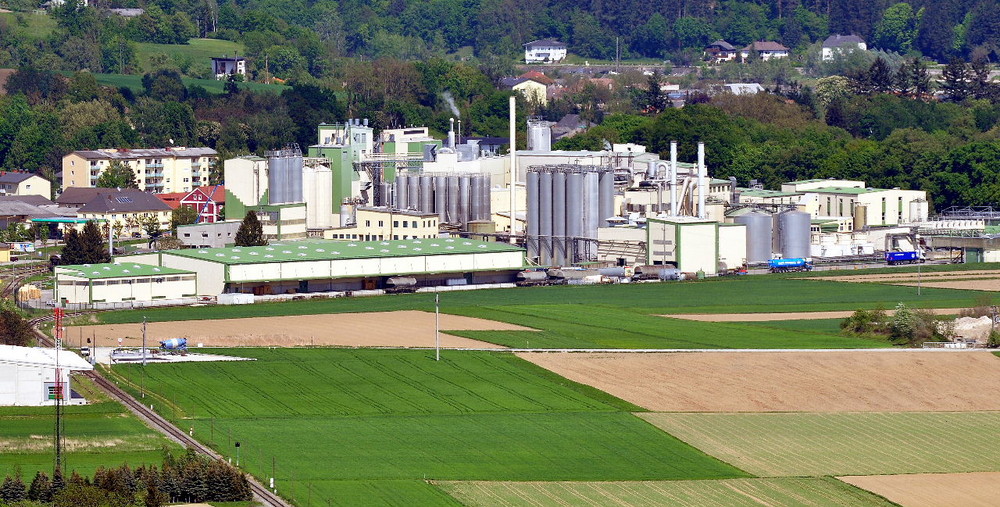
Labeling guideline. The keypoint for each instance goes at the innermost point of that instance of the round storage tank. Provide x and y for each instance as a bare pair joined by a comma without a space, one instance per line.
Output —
758,235
918,210
793,227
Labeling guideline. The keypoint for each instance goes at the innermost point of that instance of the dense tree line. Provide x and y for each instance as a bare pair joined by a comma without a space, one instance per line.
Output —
189,478
303,39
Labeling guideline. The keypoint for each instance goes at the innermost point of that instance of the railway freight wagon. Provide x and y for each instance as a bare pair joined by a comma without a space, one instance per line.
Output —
893,258
786,265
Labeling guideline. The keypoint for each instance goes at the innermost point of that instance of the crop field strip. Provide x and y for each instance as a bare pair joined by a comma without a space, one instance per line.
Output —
805,492
96,434
471,416
810,444
740,295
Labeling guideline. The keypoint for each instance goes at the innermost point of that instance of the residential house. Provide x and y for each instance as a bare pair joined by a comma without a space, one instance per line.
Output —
538,76
532,90
225,67
842,44
208,200
160,170
544,51
768,50
21,183
126,209
721,51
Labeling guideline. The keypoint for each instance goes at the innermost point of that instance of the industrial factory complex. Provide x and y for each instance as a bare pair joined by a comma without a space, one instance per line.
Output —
367,211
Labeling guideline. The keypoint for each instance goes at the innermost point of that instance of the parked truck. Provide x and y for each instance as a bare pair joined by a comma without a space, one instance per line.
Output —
786,265
909,257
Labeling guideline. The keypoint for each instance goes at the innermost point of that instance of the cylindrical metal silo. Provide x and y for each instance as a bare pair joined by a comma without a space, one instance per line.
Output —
860,216
277,177
453,216
531,223
574,214
545,216
794,228
426,193
402,188
413,191
385,189
487,211
606,197
295,187
441,198
559,218
592,211
539,135
347,216
758,235
918,210
476,198
464,198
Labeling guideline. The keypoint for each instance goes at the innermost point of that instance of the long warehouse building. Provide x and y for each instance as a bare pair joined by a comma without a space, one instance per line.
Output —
324,265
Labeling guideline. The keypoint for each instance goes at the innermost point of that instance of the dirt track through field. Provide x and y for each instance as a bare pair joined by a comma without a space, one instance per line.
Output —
934,490
854,381
377,329
764,317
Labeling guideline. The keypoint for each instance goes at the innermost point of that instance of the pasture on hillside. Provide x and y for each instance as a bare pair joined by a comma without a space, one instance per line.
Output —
197,52
102,433
872,443
804,492
347,421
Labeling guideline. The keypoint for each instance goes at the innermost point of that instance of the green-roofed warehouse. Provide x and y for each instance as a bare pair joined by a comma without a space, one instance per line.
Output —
326,265
122,282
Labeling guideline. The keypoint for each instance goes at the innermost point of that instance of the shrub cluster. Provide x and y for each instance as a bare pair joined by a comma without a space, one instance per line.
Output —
189,478
906,327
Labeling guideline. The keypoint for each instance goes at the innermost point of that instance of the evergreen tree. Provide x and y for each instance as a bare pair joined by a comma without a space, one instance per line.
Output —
880,78
250,233
14,330
980,86
956,80
92,246
72,253
13,489
41,488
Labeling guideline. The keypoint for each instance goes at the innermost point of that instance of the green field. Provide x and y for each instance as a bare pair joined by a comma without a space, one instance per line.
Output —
103,433
36,25
804,492
134,82
828,326
198,51
382,421
809,444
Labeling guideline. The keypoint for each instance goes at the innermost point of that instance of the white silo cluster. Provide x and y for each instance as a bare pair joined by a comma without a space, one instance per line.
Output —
456,198
566,206
785,235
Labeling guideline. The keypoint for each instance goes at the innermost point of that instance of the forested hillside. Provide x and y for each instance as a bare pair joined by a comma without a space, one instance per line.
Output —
302,38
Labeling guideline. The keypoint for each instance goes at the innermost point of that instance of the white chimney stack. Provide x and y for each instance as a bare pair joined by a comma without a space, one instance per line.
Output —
702,181
672,178
513,168
451,134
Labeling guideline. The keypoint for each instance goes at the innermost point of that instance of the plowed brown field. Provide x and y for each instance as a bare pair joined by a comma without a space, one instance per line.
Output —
934,490
382,329
852,381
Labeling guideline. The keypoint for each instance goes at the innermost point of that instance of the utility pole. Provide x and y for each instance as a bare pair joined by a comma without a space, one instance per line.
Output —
437,326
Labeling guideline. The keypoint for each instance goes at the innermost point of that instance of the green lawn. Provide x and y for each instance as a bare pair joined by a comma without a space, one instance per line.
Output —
810,444
198,51
804,492
828,326
37,25
381,421
134,82
100,434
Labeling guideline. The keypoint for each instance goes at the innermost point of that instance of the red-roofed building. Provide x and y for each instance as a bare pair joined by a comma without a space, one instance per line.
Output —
207,200
538,76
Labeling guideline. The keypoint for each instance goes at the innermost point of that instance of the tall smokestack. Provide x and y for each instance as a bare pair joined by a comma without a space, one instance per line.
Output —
513,167
673,178
701,180
451,134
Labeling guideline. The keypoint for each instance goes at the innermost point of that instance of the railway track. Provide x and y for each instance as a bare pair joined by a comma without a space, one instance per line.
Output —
156,421
11,285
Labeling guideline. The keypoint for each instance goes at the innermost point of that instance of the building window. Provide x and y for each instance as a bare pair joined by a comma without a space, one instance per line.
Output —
405,223
395,223
368,223
414,224
380,224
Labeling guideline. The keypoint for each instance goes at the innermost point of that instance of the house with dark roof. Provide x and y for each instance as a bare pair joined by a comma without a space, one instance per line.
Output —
24,183
127,209
721,51
544,51
842,44
768,50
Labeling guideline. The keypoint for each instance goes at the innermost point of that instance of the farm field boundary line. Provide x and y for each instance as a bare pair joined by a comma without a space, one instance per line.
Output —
933,490
764,317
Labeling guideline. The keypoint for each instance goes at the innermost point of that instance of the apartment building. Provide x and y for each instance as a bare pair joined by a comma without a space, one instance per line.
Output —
157,170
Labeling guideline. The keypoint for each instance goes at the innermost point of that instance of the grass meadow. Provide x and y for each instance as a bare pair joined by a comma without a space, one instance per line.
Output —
811,444
804,492
337,424
102,433
198,51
